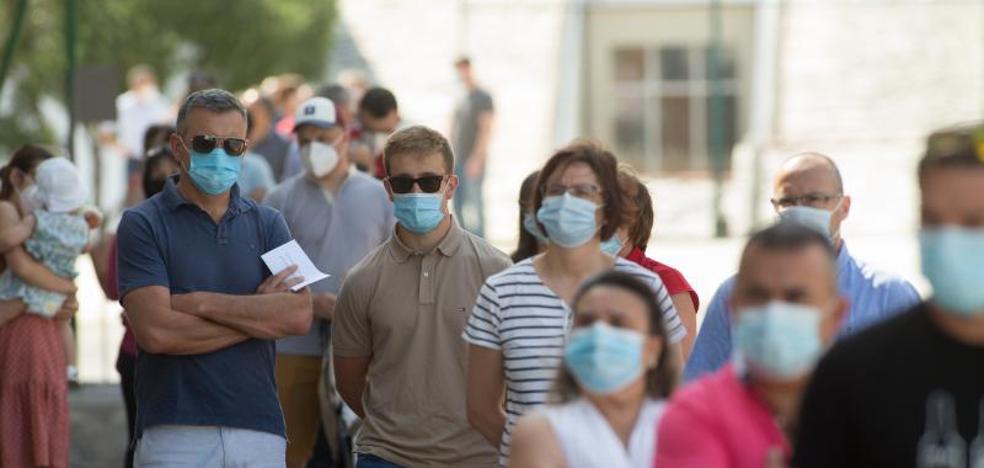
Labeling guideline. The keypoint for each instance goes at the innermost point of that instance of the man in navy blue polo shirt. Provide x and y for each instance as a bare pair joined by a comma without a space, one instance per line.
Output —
203,306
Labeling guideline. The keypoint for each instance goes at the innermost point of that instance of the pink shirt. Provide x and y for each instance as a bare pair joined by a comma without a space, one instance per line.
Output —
717,422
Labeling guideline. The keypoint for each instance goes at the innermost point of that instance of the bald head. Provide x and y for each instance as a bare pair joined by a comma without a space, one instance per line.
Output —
812,180
817,164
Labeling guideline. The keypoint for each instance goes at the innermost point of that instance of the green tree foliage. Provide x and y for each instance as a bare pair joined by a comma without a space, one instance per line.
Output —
239,41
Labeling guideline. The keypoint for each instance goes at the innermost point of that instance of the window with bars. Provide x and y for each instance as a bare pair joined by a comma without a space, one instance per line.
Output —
662,106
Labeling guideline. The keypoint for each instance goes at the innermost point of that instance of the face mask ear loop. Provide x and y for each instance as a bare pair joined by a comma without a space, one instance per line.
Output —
835,236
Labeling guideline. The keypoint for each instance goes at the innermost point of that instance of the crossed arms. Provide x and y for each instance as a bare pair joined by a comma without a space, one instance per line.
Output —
202,322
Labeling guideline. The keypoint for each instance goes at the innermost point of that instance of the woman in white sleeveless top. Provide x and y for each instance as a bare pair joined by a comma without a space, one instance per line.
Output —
617,372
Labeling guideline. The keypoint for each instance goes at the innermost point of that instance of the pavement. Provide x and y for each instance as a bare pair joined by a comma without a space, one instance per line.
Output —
98,426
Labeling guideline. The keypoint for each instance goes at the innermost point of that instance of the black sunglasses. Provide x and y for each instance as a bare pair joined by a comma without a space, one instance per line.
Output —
427,184
207,143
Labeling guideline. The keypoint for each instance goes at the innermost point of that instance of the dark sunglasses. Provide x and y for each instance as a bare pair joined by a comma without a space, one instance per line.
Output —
207,143
427,184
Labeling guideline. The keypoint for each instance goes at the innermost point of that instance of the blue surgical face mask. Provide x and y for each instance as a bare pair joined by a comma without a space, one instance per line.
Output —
569,220
814,218
604,359
779,340
419,213
953,262
214,172
529,224
612,246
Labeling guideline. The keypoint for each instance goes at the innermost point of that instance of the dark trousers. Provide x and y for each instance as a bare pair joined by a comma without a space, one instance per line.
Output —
126,366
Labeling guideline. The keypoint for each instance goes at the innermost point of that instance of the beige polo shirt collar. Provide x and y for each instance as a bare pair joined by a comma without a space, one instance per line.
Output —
447,247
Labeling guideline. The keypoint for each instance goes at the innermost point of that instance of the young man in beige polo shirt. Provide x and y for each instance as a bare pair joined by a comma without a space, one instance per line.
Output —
398,353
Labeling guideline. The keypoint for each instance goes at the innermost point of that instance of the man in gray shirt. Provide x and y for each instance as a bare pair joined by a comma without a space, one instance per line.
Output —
337,216
471,132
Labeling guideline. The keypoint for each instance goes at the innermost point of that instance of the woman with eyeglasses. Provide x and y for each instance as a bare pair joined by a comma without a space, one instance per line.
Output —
520,322
611,388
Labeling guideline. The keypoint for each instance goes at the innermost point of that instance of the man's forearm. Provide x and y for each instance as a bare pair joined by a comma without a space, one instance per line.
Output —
490,423
264,316
353,398
350,380
183,334
323,306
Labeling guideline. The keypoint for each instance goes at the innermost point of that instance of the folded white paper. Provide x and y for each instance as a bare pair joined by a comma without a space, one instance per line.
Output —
291,253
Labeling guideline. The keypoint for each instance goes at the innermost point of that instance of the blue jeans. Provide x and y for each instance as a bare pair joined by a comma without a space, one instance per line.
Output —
372,461
469,206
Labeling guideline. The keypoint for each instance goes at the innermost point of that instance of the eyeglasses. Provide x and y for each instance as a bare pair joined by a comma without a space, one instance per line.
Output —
814,200
579,190
427,184
206,143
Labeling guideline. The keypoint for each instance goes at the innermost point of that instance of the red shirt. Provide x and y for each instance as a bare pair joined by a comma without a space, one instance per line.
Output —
379,169
672,278
129,343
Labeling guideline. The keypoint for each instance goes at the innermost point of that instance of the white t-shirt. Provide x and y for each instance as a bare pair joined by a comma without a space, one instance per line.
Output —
588,441
518,314
135,113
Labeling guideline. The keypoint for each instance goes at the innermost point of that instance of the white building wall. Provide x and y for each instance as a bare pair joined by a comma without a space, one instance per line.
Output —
865,82
411,44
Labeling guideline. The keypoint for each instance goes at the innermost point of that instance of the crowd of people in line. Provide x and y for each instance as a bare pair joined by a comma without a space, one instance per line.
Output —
428,346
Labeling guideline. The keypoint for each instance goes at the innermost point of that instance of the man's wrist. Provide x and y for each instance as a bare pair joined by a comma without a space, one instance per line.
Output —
191,303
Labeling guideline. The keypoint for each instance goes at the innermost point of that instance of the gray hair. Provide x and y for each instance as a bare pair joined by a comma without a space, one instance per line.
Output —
214,100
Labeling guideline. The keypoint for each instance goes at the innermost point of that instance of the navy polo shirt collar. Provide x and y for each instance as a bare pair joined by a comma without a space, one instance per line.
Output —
173,199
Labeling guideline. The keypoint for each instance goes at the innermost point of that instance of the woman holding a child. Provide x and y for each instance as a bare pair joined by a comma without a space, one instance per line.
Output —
33,385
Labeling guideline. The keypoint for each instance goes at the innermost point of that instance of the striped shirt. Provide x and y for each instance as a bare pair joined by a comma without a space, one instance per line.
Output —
518,314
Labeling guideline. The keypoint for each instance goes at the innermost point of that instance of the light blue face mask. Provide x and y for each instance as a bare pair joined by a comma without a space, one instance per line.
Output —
953,262
569,220
529,224
612,246
814,218
419,213
779,340
604,359
214,172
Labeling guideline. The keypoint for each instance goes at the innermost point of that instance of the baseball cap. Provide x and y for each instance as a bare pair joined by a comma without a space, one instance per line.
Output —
60,188
318,111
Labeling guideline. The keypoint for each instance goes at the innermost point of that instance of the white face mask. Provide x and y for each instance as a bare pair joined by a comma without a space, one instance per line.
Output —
319,159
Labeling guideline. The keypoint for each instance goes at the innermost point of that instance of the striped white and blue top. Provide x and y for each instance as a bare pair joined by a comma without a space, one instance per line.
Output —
518,314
